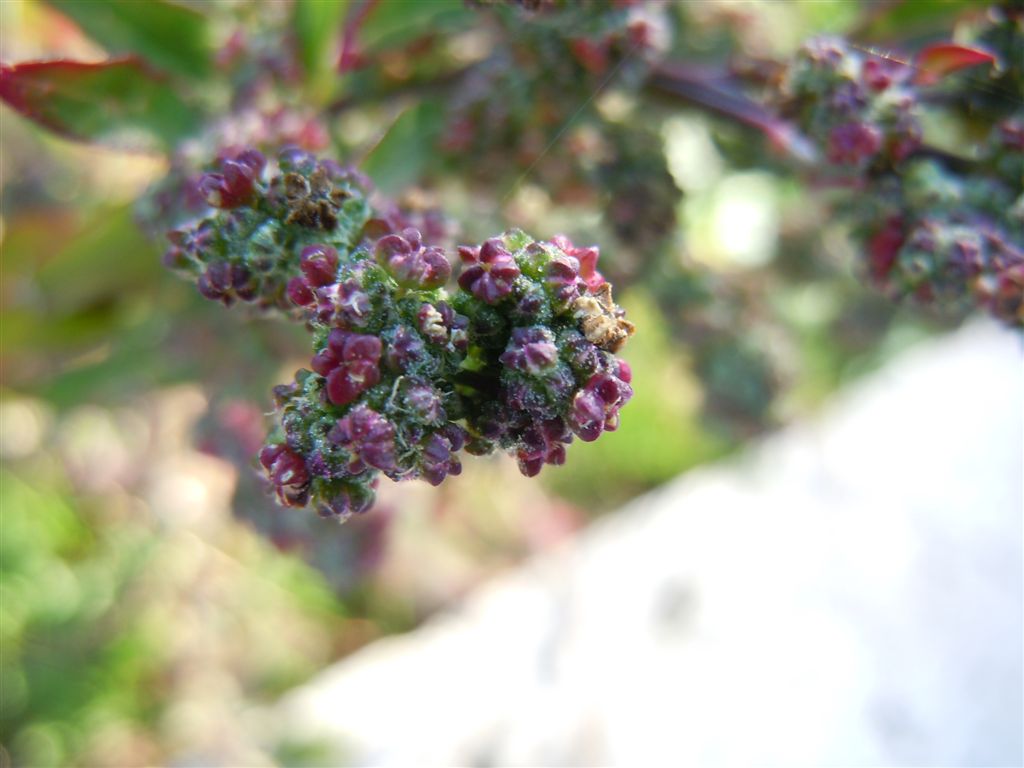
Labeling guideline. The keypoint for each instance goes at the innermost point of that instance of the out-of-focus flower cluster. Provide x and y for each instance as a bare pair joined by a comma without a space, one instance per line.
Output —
403,377
536,96
861,108
550,60
929,225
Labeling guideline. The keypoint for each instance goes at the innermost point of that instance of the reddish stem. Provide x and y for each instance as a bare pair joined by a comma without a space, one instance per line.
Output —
350,57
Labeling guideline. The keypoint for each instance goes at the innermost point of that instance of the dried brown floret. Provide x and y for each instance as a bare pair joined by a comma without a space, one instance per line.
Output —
602,322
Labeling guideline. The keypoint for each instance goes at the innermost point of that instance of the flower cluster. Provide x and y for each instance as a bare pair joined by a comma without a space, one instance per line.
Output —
861,108
930,225
939,236
553,340
546,63
403,377
249,244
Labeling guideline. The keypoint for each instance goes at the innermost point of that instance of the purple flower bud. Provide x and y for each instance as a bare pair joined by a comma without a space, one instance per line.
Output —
531,350
319,264
351,364
491,271
367,435
293,159
587,407
353,498
350,302
236,182
854,143
530,305
422,401
253,160
584,356
456,436
215,282
299,292
438,459
530,467
211,186
880,72
405,350
563,279
283,393
287,471
595,407
412,265
586,258
847,99
541,444
624,372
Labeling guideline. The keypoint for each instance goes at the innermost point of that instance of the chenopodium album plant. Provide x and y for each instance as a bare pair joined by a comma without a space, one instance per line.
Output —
404,376
520,356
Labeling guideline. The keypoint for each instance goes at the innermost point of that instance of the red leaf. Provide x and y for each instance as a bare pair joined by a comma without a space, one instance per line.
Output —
936,61
106,101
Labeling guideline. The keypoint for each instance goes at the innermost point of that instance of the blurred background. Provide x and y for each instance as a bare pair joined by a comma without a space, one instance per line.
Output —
157,607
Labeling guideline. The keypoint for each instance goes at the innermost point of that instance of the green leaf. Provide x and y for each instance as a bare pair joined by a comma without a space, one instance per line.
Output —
911,20
109,256
119,102
166,34
318,27
395,22
403,156
73,292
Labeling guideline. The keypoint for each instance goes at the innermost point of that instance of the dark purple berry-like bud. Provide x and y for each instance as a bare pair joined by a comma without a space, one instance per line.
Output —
283,393
595,407
531,350
586,259
584,357
353,498
563,279
215,282
236,182
351,364
368,436
854,143
350,302
287,472
437,457
299,292
530,305
253,160
625,372
880,72
1011,133
319,264
542,444
491,271
406,350
422,401
412,265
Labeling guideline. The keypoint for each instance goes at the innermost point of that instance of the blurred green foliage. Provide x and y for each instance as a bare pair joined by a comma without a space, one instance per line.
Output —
172,36
122,103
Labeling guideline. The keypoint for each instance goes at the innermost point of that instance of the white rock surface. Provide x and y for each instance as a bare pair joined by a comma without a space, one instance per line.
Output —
847,593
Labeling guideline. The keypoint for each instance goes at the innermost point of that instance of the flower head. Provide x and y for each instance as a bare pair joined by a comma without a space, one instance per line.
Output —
490,272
